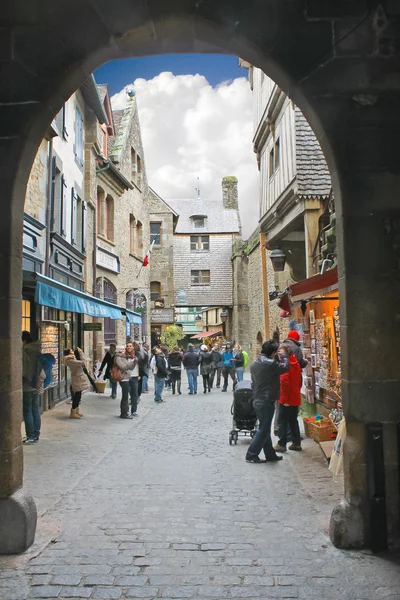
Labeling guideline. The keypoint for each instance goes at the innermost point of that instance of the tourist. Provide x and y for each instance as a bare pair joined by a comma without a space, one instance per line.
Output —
145,376
239,362
293,341
265,376
108,362
30,397
228,366
175,368
216,366
191,364
159,366
289,402
79,381
126,362
205,358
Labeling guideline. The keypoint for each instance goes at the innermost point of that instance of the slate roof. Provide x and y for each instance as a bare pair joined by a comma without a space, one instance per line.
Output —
117,118
219,220
313,175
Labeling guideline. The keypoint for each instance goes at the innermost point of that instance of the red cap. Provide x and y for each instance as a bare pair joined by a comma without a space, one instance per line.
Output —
294,335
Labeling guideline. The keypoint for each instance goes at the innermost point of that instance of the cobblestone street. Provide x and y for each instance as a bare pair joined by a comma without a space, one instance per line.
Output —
162,507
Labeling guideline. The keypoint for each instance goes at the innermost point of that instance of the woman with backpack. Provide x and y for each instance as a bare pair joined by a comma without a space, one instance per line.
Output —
79,381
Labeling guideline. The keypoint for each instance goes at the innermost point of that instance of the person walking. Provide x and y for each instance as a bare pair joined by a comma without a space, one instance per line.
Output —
108,362
205,367
143,360
30,397
126,363
228,366
146,370
191,364
79,380
175,367
159,366
239,362
165,352
265,376
216,366
289,402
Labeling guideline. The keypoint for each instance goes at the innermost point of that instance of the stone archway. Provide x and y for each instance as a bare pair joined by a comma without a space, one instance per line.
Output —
340,65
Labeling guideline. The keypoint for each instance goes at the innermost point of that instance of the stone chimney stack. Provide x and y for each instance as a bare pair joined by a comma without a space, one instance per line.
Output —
230,193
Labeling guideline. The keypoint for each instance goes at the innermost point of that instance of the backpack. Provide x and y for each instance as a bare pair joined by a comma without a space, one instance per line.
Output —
116,374
44,372
246,358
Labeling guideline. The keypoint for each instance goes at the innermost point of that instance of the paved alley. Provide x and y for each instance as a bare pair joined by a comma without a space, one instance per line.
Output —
162,507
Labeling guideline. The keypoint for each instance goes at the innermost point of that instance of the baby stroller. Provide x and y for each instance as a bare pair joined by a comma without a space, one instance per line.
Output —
244,417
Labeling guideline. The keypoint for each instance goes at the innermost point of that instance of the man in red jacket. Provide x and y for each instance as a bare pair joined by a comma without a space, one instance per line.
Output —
288,404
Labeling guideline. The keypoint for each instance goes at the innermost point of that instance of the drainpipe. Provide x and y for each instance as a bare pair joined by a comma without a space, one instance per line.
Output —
48,206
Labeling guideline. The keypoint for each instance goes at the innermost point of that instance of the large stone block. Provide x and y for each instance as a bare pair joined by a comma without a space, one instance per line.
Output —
18,517
346,526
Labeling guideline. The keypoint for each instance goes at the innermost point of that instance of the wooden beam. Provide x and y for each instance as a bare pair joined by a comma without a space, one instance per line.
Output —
264,278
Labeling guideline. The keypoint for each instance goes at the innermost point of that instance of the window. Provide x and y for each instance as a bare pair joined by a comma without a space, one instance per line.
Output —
77,216
109,294
200,277
139,171
133,165
198,222
274,157
60,121
132,234
58,200
109,224
155,290
26,315
199,242
101,216
155,233
78,137
139,239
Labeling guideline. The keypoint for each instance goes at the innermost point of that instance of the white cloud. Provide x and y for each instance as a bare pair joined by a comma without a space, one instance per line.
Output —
191,130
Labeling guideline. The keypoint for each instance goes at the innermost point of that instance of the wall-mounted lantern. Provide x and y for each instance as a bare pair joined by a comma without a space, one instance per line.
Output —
278,260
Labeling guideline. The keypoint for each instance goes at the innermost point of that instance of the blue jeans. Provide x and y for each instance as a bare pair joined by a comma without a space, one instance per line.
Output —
129,389
31,412
158,387
192,379
239,373
113,388
262,439
145,383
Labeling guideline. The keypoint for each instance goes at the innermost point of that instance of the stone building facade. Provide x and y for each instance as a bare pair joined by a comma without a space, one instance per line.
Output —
163,220
203,241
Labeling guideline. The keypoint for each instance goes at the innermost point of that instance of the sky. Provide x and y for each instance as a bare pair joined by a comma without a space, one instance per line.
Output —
196,121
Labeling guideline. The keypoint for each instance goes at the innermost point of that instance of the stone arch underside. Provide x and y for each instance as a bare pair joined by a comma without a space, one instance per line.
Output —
349,92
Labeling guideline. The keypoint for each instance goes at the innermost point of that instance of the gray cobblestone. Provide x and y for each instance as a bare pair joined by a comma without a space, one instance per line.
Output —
154,509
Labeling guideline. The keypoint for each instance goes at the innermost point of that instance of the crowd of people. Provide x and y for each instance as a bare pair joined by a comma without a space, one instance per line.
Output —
276,377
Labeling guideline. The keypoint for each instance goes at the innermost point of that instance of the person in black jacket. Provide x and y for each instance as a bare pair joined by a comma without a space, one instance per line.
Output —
108,362
205,367
216,366
175,368
159,366
191,364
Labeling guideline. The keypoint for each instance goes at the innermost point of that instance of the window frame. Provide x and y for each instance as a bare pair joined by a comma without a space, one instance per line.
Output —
79,142
153,297
199,242
197,220
200,277
159,233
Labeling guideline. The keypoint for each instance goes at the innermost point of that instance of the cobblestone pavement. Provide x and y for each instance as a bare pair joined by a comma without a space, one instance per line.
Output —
162,507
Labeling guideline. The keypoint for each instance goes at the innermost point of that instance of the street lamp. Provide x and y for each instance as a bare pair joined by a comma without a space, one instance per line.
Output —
278,260
223,316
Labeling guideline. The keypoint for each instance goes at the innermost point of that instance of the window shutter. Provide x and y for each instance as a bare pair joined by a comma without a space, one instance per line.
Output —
65,121
84,226
63,207
74,216
78,136
53,194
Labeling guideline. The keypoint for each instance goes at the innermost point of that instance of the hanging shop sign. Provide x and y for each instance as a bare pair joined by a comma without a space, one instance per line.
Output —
107,260
92,327
140,303
162,315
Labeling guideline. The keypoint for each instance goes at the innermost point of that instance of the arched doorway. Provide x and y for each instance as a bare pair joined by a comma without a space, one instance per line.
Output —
309,50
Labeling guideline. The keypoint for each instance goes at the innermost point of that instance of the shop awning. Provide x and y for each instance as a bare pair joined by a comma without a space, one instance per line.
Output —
57,295
133,317
315,286
205,334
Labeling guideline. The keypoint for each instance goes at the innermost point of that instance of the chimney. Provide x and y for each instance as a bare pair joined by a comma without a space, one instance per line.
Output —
230,193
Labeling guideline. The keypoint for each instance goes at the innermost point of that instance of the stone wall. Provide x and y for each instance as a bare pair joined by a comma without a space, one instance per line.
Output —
230,193
162,257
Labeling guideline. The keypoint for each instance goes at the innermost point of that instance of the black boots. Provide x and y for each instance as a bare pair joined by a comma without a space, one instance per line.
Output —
179,387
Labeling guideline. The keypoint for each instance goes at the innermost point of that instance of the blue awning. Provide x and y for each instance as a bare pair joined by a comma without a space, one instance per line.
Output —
57,295
133,318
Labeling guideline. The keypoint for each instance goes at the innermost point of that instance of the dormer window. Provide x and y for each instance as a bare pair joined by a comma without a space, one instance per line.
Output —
198,221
